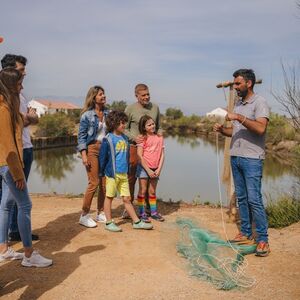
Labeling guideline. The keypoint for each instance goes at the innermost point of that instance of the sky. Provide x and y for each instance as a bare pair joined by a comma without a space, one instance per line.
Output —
180,49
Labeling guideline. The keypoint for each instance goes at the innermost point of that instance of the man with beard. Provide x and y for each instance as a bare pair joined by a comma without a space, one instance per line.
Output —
247,150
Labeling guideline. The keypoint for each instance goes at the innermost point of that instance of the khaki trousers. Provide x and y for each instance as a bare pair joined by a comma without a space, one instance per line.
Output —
93,179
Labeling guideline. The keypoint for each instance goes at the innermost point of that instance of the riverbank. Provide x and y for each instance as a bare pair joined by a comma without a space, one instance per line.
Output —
96,264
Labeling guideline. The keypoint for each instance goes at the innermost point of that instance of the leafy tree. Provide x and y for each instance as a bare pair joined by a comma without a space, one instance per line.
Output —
54,125
118,105
174,113
279,129
74,114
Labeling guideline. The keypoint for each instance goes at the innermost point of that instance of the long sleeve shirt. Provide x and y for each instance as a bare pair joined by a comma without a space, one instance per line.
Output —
134,112
11,148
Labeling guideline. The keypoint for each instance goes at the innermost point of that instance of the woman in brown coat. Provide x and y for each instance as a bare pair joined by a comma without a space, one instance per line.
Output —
14,188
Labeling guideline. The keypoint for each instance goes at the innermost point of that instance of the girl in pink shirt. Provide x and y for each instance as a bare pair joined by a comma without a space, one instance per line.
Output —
151,158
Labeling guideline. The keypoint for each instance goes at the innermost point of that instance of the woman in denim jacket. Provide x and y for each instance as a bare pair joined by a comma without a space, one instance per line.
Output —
92,129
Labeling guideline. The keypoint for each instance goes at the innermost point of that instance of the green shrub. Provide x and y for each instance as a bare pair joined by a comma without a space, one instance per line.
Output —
296,150
279,128
284,212
54,125
117,105
75,115
174,113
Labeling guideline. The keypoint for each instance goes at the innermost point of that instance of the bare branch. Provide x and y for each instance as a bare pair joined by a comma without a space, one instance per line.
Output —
289,98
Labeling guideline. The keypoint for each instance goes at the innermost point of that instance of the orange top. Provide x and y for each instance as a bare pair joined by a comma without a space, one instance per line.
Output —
11,148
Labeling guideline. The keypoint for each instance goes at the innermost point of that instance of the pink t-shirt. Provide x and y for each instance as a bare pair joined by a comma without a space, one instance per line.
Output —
152,147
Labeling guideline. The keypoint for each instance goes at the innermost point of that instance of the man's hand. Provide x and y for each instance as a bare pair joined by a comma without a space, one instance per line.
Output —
231,117
218,127
31,117
227,131
139,139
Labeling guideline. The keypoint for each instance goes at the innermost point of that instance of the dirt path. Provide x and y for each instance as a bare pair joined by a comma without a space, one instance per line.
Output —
96,264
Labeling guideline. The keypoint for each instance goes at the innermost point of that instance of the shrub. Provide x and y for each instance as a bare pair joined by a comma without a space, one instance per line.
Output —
284,212
174,113
54,125
75,115
279,128
117,105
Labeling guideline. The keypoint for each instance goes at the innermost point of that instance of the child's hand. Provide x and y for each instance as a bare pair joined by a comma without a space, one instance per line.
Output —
152,174
157,173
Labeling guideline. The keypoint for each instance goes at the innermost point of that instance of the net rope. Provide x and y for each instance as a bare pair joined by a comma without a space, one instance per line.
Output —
212,259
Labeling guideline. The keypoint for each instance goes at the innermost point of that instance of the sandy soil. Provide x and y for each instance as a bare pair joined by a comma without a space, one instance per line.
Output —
96,264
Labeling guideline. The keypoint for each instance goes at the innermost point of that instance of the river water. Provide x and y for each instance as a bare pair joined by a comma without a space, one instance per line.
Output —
190,172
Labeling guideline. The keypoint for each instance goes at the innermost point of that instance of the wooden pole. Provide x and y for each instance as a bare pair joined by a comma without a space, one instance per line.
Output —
230,83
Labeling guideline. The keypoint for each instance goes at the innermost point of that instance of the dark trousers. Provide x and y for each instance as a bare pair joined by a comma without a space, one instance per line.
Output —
27,159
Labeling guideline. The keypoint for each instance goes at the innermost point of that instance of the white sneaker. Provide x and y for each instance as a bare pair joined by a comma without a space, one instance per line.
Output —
11,254
36,260
87,221
101,217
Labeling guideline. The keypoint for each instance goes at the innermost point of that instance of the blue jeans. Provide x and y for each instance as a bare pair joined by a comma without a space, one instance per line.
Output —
247,175
10,196
27,160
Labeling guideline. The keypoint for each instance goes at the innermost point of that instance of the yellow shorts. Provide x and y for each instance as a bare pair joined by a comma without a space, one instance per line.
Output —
118,184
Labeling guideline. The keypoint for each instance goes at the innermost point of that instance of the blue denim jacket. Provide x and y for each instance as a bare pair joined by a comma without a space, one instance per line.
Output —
107,156
88,128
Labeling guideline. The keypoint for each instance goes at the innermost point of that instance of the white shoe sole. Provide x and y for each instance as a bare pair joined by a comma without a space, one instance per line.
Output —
85,225
25,264
100,221
11,258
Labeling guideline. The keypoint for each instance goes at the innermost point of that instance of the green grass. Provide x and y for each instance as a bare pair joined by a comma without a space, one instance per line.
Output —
283,212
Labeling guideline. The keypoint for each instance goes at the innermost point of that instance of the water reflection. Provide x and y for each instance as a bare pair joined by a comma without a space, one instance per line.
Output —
54,163
194,141
190,170
274,167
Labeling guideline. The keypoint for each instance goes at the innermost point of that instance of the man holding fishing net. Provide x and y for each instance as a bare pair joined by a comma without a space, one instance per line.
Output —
247,150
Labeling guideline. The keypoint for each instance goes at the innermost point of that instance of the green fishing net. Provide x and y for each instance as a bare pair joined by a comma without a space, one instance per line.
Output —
212,259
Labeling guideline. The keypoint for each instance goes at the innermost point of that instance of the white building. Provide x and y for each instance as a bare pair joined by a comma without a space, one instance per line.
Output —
44,106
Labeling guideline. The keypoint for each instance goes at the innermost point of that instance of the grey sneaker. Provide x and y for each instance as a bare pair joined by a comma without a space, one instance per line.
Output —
36,260
113,227
142,225
11,254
